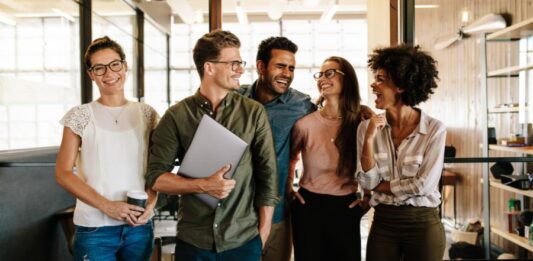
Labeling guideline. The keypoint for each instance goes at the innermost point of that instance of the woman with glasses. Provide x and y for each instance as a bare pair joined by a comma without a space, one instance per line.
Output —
325,210
103,155
401,156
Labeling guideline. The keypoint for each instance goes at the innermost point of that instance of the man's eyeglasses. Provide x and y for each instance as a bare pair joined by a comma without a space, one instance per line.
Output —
235,65
328,73
100,69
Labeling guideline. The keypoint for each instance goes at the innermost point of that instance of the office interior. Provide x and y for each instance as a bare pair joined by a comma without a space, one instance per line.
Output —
485,87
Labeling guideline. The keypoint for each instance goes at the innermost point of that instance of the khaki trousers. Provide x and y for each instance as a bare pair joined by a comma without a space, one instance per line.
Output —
405,233
279,244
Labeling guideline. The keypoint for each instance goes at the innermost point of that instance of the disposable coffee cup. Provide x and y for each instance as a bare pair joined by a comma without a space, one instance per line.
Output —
137,198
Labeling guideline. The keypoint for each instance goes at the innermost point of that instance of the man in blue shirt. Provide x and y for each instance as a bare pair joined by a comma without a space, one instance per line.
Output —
275,64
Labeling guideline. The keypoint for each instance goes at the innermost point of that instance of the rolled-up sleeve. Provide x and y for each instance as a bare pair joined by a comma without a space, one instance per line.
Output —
163,149
371,178
264,163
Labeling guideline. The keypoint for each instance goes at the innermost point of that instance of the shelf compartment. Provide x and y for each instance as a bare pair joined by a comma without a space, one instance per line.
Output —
521,241
504,110
519,30
497,184
525,150
510,70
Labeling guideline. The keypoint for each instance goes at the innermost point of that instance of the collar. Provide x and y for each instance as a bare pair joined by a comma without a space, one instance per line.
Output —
423,125
283,98
202,101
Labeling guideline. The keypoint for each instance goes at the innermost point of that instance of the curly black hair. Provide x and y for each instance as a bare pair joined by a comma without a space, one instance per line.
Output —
410,68
281,43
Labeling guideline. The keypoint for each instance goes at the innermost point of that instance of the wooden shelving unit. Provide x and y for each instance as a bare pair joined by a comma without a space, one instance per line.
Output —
514,35
521,241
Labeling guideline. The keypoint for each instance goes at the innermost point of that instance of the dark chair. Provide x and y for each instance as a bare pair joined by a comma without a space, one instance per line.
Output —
65,218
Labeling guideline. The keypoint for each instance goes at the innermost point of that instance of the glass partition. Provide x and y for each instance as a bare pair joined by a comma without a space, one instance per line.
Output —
39,71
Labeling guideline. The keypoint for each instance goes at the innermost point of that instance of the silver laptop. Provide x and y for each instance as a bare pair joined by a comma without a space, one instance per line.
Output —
212,147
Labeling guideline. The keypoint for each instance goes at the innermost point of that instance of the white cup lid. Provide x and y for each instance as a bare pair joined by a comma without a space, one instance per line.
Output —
137,194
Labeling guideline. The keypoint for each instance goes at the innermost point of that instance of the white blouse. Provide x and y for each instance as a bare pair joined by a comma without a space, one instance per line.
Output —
113,153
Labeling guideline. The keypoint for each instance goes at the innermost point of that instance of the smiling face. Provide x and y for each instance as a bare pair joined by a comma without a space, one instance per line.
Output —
279,72
330,86
110,82
387,93
223,74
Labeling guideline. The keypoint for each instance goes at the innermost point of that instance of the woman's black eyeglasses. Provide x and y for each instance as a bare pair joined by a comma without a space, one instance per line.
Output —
100,69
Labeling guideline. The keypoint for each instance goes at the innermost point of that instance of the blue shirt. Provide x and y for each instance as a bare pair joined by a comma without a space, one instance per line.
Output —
283,112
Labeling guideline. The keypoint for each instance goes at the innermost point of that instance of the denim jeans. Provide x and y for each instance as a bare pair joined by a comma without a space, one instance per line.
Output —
114,243
250,251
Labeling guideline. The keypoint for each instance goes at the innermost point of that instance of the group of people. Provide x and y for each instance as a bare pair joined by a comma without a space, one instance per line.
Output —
113,145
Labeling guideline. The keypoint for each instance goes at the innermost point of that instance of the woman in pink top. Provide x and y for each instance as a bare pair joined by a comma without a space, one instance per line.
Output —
325,210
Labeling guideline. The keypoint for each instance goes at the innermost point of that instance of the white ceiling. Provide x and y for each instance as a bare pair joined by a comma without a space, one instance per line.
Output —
252,7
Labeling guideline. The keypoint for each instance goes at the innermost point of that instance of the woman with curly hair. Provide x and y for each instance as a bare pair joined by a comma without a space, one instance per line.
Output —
401,156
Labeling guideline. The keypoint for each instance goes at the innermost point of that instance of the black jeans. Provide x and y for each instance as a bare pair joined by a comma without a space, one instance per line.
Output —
324,228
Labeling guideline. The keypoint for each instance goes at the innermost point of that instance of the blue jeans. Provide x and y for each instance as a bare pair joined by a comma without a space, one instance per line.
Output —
114,243
250,251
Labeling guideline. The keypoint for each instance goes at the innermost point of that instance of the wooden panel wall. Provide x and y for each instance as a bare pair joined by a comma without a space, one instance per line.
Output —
457,101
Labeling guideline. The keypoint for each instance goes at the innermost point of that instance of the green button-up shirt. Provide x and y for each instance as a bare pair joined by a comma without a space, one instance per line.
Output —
235,221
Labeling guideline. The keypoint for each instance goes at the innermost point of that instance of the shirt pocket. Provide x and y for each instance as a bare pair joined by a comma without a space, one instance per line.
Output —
411,165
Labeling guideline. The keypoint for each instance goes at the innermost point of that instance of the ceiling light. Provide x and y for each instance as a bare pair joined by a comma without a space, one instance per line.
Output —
64,15
6,20
183,9
426,6
464,16
312,2
199,17
241,15
274,10
328,14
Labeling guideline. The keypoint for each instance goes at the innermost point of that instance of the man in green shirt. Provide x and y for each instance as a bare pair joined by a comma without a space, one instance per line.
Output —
237,228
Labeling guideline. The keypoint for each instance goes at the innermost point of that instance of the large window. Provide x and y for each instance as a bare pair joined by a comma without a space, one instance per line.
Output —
116,19
316,41
39,72
184,77
155,67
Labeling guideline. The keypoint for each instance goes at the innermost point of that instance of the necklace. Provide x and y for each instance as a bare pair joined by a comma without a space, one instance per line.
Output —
323,113
113,116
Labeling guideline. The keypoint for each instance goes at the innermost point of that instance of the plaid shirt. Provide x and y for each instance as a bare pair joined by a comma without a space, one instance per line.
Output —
414,169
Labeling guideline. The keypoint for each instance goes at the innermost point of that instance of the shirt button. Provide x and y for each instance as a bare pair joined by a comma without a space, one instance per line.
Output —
210,113
215,225
218,204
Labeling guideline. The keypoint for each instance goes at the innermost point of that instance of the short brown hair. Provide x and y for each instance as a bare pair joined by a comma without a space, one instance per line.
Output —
100,44
209,46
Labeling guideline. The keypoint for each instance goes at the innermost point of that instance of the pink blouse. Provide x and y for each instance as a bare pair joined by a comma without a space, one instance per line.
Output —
314,136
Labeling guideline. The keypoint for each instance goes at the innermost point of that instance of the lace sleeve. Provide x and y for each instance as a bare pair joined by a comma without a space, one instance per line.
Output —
77,119
150,115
